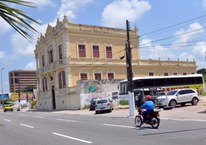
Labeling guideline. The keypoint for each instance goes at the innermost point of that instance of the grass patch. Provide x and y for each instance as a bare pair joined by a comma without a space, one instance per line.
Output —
203,93
33,104
124,102
86,106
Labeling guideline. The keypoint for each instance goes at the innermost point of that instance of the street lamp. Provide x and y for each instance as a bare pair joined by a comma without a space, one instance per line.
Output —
1,69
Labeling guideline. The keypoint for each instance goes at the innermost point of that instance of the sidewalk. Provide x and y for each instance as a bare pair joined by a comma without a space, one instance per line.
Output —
188,112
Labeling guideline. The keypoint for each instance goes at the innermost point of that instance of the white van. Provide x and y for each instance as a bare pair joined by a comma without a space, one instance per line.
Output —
179,96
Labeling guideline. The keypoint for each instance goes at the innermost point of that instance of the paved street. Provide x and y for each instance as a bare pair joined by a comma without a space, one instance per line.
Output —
182,125
43,128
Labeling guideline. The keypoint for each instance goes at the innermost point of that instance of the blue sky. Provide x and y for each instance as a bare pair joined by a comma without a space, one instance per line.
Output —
184,39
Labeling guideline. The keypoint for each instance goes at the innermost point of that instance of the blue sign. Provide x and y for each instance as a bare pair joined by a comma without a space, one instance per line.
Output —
4,96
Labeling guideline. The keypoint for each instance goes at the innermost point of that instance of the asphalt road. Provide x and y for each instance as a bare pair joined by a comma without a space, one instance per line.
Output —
45,128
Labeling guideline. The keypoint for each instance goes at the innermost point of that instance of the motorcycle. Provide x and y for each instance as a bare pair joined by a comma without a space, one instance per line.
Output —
152,119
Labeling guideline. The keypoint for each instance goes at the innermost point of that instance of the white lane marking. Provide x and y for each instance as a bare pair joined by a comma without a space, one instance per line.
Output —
38,116
73,138
113,125
21,114
26,125
7,120
200,120
65,120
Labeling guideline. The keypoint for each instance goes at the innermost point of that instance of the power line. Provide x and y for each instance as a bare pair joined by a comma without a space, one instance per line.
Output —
179,44
172,36
173,25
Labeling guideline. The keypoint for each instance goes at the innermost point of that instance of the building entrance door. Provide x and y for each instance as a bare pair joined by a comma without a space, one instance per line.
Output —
53,98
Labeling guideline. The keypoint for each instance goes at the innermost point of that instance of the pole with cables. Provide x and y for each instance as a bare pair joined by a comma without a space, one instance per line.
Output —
129,73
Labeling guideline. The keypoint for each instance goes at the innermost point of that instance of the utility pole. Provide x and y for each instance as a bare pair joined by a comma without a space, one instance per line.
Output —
19,95
1,70
129,73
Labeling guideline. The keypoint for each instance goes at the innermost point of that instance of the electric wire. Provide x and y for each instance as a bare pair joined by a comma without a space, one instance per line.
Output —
171,26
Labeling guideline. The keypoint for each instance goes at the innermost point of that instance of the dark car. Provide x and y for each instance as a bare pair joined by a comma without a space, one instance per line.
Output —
92,104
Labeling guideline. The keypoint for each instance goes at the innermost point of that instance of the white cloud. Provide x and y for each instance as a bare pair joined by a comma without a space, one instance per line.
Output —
2,54
184,56
154,51
5,27
200,49
192,32
70,7
21,46
151,50
116,13
204,3
30,66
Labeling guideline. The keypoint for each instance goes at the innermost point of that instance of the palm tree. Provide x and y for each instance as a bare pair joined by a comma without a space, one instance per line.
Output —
16,18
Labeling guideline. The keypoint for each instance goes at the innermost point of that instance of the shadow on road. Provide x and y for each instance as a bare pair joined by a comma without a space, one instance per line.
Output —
203,111
144,127
175,131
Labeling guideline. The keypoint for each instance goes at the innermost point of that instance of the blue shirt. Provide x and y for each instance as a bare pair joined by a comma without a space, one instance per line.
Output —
148,105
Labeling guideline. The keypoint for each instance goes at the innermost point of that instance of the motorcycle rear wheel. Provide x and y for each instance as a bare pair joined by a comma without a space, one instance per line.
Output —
138,121
155,122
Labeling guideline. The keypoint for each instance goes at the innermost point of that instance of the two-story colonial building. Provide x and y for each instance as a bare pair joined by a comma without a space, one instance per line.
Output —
70,52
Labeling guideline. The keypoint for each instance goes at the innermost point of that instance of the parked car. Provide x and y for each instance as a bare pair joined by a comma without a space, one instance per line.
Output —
104,105
8,106
179,96
158,94
92,104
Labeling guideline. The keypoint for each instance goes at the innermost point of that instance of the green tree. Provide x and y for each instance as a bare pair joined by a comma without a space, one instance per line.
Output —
17,18
203,72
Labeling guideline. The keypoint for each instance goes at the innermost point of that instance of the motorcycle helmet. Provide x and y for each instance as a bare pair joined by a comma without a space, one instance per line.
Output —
148,97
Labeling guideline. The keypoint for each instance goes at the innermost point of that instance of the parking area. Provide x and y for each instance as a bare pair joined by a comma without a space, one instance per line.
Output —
188,112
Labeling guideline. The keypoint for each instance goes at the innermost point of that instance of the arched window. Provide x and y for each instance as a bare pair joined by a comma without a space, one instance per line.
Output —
62,79
44,84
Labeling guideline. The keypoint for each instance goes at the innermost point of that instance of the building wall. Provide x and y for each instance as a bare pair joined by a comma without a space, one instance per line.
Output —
69,36
21,79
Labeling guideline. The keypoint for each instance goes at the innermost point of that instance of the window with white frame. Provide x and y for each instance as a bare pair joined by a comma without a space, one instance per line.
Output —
110,76
97,76
151,74
166,74
82,50
108,52
83,76
95,51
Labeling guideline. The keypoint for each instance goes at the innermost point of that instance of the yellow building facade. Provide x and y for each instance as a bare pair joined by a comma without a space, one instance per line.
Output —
70,52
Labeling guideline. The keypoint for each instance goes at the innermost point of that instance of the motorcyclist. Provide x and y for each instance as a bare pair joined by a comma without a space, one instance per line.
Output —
147,107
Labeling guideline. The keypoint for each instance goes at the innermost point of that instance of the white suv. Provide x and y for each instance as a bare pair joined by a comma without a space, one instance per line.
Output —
179,96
